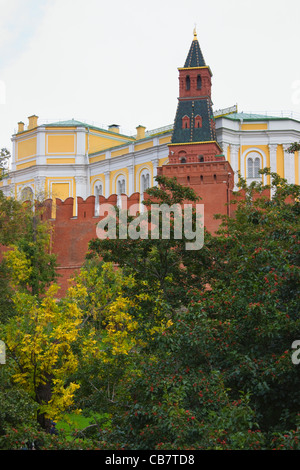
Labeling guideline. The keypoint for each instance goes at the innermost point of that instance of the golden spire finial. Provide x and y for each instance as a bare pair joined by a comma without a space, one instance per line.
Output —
195,34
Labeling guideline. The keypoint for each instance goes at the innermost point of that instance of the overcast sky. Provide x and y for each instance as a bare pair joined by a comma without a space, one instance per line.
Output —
116,62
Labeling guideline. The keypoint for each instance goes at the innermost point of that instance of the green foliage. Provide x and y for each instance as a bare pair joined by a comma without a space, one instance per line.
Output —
4,157
172,349
164,264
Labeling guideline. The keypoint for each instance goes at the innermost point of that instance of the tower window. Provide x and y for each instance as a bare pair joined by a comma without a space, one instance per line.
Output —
198,121
199,82
185,122
187,83
201,158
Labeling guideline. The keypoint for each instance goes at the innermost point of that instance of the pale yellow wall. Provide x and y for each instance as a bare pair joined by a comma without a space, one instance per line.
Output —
61,188
228,156
145,145
59,161
165,140
99,158
280,161
26,165
26,148
118,153
100,140
60,144
253,127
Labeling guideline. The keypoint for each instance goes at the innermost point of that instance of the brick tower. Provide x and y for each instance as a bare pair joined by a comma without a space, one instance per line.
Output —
195,157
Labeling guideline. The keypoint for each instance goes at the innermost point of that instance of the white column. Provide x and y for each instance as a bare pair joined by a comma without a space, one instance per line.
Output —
224,146
81,186
234,162
130,190
273,162
13,157
273,157
107,183
41,146
289,165
40,189
155,164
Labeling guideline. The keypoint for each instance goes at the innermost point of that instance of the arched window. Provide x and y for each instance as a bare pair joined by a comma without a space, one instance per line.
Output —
26,194
185,122
198,121
145,182
187,83
199,82
253,166
201,158
121,185
121,189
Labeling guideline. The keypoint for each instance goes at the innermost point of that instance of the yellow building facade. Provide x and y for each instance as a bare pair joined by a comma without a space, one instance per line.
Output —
71,158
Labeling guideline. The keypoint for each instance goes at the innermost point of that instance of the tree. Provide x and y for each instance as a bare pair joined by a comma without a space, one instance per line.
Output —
4,157
120,320
32,247
221,375
39,343
162,261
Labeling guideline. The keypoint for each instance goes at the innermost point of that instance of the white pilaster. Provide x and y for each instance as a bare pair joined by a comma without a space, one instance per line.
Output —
234,161
130,179
41,146
273,157
289,165
155,163
273,162
107,183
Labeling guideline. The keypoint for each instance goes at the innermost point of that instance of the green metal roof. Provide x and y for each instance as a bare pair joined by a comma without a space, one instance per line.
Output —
75,123
251,117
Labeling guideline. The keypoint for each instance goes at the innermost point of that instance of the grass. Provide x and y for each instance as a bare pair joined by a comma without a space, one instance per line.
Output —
78,422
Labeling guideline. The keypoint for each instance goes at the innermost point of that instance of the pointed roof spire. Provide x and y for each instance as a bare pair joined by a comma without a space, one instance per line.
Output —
195,34
195,57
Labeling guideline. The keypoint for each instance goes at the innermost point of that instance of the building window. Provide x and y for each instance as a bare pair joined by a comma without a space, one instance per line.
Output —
199,82
26,194
121,189
198,121
121,185
187,83
185,122
253,167
145,182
